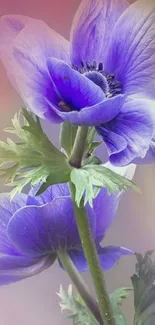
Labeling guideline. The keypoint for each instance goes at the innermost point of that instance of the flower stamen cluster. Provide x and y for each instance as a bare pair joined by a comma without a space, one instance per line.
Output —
96,73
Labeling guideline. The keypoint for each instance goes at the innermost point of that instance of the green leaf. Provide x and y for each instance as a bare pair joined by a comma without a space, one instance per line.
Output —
89,177
94,145
80,178
78,311
33,158
91,145
117,298
144,290
92,160
57,177
10,173
90,136
67,136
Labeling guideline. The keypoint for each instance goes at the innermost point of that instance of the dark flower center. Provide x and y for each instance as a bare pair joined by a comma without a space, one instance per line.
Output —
100,77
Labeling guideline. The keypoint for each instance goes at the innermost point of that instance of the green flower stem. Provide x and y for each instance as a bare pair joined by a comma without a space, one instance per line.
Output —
87,240
80,285
78,147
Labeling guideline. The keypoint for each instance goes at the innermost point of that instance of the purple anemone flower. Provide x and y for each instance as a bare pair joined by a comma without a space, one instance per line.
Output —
34,228
105,76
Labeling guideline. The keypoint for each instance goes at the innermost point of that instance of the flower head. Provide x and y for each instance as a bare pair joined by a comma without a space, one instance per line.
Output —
104,78
34,228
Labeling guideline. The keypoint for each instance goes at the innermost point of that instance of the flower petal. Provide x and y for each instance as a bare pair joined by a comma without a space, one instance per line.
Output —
76,90
149,157
100,113
115,143
92,27
105,207
134,126
49,195
10,26
41,42
132,50
7,209
16,268
40,230
79,260
110,255
34,87
30,50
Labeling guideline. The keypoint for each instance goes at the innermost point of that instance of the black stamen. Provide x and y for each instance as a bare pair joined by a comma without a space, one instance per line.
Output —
94,65
112,75
88,65
100,66
113,86
74,67
82,64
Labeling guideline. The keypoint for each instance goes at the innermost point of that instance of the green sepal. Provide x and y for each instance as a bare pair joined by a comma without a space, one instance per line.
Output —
94,145
91,135
90,144
92,160
67,136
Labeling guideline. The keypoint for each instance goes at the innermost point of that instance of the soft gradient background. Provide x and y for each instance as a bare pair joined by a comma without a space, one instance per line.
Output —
33,301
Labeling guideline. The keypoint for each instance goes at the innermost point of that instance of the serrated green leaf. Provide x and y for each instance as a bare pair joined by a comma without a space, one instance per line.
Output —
80,178
117,298
102,176
87,178
78,311
144,290
18,187
10,173
67,136
34,152
54,178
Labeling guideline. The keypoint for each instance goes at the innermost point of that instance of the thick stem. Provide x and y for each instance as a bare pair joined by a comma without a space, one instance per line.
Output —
80,285
93,262
79,146
88,243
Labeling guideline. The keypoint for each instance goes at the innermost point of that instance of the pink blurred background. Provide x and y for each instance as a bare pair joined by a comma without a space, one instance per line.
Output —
33,301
